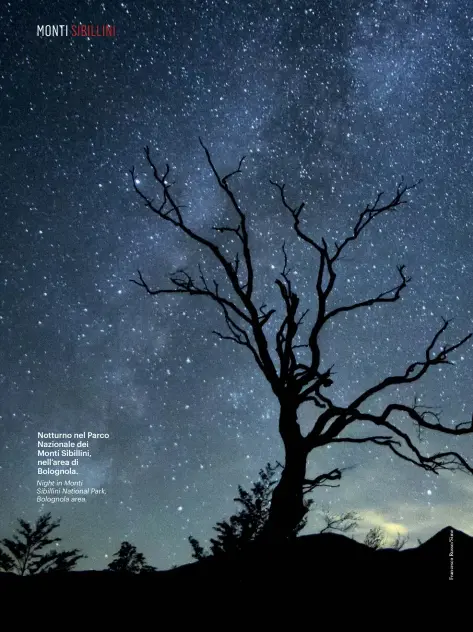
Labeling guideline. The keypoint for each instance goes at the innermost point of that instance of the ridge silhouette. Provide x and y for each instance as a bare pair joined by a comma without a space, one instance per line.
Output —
310,561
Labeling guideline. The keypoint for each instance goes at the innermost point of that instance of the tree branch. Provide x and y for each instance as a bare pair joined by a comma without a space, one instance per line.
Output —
326,273
242,228
390,296
170,211
416,370
371,212
323,480
344,523
439,461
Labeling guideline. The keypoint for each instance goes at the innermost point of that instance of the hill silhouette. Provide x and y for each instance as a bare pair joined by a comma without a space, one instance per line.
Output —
310,561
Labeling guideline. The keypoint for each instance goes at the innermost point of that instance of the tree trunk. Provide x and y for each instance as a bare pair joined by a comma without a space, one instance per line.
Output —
287,502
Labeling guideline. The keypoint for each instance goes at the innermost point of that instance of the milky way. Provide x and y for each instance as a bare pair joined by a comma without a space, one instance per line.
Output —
339,100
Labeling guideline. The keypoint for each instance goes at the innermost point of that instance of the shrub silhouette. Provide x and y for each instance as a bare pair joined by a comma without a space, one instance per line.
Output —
245,526
234,534
400,542
23,555
128,560
375,538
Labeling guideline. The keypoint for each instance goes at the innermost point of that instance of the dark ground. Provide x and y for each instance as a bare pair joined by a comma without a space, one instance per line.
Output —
310,563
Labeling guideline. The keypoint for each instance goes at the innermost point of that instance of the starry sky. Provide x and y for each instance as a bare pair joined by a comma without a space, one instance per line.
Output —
337,99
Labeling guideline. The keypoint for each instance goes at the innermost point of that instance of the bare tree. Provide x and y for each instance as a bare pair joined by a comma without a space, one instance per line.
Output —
294,380
343,523
400,542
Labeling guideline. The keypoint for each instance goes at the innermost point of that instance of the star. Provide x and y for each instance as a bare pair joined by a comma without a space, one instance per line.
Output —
339,101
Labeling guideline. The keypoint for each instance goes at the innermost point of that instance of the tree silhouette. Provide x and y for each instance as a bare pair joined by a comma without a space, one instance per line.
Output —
296,371
6,562
128,560
23,555
198,551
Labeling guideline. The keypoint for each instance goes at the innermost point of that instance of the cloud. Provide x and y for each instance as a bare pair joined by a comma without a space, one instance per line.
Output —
377,519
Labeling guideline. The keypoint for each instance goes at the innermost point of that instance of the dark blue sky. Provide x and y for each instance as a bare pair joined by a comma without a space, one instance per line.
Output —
338,99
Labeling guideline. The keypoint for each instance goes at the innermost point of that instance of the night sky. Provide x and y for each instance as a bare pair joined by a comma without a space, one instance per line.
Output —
339,100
